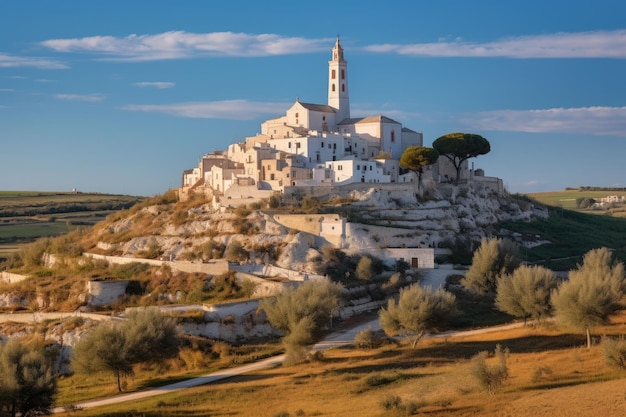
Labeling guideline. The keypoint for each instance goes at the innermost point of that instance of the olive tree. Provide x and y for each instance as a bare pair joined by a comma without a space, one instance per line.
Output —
592,294
459,147
145,336
417,311
493,258
416,158
27,383
526,292
302,312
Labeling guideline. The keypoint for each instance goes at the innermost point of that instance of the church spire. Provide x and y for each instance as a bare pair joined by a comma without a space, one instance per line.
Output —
338,97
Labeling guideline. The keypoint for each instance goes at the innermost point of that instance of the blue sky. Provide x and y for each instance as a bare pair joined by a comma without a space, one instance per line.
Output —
122,96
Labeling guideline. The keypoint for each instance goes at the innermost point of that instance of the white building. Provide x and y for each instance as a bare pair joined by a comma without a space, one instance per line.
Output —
312,144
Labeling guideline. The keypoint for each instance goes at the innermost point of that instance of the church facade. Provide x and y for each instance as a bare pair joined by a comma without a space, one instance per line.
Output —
311,145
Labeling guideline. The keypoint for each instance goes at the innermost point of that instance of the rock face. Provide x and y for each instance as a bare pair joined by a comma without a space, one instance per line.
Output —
377,217
450,213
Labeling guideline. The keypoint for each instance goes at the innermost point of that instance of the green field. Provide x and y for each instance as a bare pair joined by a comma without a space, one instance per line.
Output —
27,203
567,198
28,215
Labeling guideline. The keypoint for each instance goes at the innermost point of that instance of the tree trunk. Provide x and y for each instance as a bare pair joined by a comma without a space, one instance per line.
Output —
119,384
588,339
416,339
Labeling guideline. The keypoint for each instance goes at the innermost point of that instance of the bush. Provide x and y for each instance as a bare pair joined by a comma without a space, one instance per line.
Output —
365,268
490,377
614,352
236,252
366,339
394,403
390,402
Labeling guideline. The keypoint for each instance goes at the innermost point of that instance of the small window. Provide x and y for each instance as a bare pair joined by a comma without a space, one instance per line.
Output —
322,144
333,87
393,136
289,145
358,167
334,74
343,74
296,114
343,88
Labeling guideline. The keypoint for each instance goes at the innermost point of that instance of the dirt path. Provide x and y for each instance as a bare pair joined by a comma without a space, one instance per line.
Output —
340,338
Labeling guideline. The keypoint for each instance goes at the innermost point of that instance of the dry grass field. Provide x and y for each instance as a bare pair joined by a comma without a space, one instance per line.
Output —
550,374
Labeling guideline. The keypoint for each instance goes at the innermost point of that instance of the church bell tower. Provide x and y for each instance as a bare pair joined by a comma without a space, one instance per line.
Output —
338,97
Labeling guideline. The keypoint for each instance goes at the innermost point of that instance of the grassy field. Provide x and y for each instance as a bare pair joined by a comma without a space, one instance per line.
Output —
20,203
571,234
550,374
567,199
28,215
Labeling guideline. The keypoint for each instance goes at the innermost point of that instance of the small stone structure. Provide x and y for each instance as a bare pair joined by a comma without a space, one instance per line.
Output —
106,291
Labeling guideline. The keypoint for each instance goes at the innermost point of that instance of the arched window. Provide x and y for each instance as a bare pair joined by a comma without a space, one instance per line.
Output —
343,88
393,136
334,74
343,74
333,87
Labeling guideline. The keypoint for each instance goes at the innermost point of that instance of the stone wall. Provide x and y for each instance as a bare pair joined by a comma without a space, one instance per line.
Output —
212,267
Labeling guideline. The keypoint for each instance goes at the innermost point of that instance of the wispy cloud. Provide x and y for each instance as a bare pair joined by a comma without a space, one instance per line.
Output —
583,120
155,84
180,44
598,44
80,97
227,109
13,61
45,80
6,90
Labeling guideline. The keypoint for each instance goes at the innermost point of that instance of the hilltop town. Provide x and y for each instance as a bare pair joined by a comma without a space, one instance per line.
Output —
316,148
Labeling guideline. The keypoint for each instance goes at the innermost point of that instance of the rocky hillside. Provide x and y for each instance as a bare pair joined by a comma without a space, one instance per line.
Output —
376,218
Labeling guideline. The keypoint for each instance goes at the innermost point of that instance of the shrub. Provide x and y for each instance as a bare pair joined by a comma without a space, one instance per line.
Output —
365,269
540,372
311,204
614,352
490,377
242,211
390,402
366,339
236,252
212,250
274,201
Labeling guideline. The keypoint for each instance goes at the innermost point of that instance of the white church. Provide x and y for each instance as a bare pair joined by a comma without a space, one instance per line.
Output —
311,145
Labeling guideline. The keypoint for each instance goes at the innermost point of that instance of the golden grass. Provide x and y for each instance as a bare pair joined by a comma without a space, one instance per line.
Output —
551,374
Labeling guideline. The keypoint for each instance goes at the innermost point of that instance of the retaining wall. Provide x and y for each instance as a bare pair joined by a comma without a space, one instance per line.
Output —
213,267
